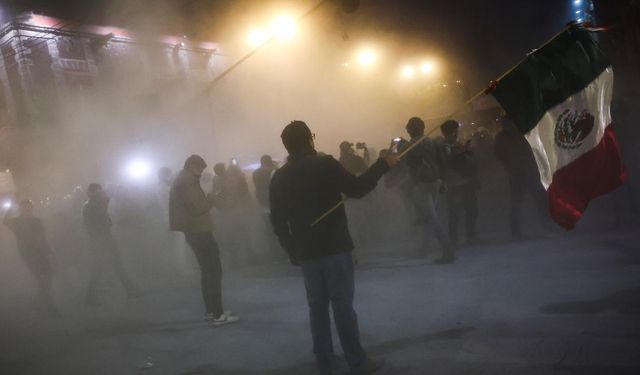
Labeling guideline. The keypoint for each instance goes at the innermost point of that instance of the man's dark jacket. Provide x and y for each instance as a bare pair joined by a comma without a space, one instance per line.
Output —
426,161
305,188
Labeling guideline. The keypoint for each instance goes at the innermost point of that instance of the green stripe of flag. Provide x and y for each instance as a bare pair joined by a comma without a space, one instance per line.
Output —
550,75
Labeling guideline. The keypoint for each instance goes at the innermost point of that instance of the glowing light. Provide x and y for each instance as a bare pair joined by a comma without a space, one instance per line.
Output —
138,169
367,57
427,67
7,204
578,11
257,37
579,19
577,2
408,72
284,28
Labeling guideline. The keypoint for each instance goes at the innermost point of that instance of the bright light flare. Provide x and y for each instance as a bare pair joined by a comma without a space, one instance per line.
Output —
366,57
257,37
284,28
7,204
139,169
427,67
408,71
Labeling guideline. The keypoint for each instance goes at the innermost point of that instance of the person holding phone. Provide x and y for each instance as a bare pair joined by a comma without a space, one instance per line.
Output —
351,161
461,177
190,213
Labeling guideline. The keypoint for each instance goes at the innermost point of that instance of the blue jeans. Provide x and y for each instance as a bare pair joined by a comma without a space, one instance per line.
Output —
425,201
329,280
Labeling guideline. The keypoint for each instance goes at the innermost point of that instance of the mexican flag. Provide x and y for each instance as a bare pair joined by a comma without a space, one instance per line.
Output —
559,97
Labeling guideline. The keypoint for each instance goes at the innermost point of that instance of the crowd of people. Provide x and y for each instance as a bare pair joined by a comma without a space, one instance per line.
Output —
282,213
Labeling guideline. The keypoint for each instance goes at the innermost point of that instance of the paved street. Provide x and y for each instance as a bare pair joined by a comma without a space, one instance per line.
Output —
563,305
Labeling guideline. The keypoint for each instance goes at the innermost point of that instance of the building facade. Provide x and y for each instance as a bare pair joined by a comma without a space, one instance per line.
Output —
41,58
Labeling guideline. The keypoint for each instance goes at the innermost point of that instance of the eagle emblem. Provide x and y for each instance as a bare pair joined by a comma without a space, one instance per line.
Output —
572,128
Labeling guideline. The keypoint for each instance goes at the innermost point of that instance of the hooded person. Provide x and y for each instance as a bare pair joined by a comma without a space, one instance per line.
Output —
301,191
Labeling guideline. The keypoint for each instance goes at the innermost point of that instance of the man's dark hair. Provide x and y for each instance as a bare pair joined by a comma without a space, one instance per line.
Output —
415,126
93,187
295,137
266,160
195,161
449,126
219,168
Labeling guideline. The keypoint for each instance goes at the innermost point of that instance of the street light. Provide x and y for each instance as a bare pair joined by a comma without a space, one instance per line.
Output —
427,67
366,57
408,71
284,28
138,169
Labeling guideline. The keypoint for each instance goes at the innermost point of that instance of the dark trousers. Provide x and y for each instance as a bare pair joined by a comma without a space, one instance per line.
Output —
206,250
329,280
519,189
106,254
462,198
40,267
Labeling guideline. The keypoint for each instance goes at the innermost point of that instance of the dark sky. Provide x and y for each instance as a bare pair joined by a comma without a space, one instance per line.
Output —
487,35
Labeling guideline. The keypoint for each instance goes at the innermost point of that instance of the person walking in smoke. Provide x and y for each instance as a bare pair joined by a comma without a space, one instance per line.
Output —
426,164
190,213
234,205
514,153
262,180
35,251
97,222
461,177
304,188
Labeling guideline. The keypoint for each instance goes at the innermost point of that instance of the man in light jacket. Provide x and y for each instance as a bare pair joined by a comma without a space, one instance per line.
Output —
189,212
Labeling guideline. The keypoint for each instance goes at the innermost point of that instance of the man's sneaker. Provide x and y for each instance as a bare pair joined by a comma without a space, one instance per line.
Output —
209,317
224,319
369,366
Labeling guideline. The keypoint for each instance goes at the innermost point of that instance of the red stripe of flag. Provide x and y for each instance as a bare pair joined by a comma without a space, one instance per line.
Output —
595,173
